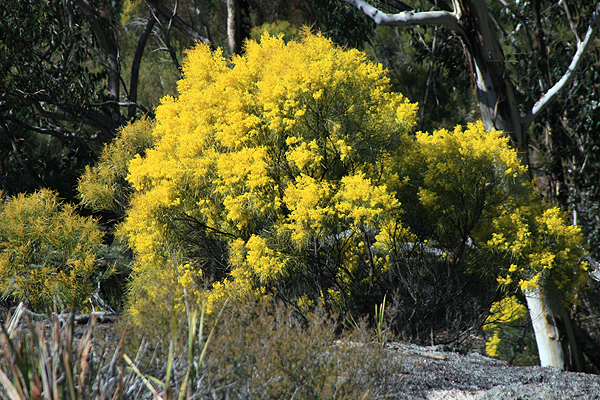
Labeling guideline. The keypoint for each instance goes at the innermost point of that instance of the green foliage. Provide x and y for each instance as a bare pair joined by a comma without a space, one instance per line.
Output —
275,28
427,64
47,251
46,73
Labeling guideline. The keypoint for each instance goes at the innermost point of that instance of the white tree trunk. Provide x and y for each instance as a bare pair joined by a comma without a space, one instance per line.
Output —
547,335
232,21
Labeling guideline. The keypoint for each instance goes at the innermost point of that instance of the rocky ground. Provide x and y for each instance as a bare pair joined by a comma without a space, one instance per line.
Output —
432,373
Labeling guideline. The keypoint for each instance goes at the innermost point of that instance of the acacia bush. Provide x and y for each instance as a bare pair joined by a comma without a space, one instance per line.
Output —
292,170
266,176
103,186
47,252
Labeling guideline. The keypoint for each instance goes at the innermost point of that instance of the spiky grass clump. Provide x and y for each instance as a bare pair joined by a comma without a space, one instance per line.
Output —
44,360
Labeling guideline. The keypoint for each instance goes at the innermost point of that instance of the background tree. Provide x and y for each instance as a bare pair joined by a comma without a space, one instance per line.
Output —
62,90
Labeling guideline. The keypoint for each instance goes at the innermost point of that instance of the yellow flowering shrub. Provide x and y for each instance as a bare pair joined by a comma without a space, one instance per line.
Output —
47,252
103,186
472,190
508,337
475,218
292,169
268,169
536,245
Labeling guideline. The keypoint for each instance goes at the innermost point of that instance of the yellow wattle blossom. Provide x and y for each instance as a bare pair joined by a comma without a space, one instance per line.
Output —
263,161
491,346
504,312
47,252
296,171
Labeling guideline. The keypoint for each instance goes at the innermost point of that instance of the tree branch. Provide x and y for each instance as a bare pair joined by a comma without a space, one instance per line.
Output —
203,22
555,90
407,18
168,40
135,65
7,132
92,118
178,22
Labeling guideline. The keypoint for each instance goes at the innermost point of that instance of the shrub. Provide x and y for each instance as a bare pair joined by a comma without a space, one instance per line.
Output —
260,348
478,223
103,187
266,350
47,252
266,177
292,170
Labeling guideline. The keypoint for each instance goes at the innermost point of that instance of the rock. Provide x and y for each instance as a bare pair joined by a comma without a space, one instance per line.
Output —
432,373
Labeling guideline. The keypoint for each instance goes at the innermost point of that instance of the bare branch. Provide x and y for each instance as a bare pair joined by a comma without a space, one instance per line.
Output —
407,18
541,48
203,21
553,92
91,118
572,24
7,132
178,22
135,65
168,40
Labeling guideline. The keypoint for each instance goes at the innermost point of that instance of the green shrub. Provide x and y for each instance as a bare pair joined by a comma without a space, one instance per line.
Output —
47,252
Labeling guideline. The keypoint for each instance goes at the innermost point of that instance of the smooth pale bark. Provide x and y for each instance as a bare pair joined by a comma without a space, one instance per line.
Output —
552,93
499,110
233,27
547,335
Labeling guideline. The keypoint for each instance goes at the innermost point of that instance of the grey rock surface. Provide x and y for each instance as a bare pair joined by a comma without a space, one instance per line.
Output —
433,373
